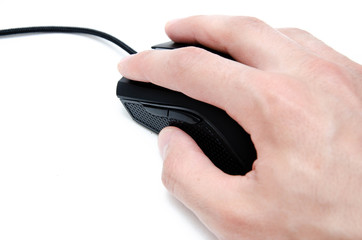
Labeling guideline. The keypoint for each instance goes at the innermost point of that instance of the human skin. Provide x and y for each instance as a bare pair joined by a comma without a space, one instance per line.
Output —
300,101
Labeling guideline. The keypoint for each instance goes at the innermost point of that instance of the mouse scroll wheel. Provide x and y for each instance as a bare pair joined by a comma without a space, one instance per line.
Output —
172,114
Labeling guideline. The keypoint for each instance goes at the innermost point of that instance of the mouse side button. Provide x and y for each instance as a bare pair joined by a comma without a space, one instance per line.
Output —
161,112
172,114
183,116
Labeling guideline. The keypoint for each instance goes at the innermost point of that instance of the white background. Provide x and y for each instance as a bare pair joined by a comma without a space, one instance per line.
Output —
73,165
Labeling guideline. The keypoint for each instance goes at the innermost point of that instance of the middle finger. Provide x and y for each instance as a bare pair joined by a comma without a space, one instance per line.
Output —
248,40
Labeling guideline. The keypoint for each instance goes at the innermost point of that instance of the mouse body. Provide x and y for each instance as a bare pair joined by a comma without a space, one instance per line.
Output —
221,138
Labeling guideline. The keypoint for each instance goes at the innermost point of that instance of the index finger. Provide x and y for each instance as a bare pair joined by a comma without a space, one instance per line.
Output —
201,75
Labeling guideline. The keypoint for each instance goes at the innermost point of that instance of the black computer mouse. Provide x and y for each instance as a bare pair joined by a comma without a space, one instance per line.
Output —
222,139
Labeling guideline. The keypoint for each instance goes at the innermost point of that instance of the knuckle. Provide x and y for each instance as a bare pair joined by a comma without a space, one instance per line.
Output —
327,71
231,27
188,54
170,170
168,179
284,100
358,70
294,31
234,220
337,81
185,58
246,20
251,23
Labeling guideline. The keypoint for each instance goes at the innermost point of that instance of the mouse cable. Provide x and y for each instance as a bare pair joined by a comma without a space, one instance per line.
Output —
71,30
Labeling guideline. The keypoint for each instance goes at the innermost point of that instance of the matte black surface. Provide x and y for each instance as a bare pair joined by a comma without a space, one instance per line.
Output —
227,145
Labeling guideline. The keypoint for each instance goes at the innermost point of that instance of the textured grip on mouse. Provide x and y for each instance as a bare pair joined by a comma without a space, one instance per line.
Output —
204,135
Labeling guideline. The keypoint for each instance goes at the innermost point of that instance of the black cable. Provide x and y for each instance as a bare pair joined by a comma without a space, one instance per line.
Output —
60,29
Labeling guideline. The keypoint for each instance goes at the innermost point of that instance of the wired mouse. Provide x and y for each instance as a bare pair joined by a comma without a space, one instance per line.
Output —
222,139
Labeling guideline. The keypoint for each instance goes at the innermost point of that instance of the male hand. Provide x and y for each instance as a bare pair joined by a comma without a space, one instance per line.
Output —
300,101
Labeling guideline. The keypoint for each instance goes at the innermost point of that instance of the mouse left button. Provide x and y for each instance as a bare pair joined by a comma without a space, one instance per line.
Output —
169,45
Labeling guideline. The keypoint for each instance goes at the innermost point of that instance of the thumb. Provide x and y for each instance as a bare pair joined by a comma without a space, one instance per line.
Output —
189,174
224,203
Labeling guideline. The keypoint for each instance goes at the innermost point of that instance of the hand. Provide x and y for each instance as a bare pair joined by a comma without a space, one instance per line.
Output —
300,101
